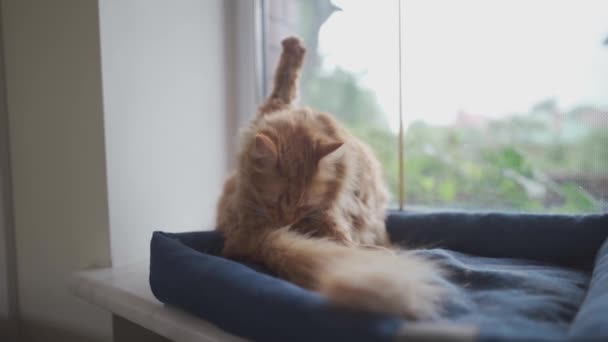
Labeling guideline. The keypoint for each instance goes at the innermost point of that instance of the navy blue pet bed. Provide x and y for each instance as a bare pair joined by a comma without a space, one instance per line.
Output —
512,278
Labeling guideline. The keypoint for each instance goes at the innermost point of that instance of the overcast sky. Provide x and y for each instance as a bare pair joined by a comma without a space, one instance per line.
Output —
484,57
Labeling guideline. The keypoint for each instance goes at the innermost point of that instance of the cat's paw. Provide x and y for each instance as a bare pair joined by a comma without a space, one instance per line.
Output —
293,45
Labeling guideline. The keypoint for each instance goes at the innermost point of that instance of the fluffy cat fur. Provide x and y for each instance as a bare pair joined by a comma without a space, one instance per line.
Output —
308,202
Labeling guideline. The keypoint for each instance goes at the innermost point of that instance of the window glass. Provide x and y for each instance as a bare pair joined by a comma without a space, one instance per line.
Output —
504,103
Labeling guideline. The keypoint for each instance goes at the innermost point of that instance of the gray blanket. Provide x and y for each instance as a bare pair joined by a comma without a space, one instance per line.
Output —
509,299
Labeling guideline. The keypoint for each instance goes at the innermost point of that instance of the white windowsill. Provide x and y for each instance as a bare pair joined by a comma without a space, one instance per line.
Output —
125,292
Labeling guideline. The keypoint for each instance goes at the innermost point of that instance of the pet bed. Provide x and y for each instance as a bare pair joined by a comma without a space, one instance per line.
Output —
512,278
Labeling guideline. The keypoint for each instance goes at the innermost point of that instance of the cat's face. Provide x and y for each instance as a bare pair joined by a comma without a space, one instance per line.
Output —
291,173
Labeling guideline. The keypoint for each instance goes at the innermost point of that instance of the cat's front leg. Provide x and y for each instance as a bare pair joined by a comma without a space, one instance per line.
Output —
322,226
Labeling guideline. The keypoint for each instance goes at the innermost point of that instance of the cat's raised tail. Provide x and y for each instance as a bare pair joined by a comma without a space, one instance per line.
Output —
374,280
285,88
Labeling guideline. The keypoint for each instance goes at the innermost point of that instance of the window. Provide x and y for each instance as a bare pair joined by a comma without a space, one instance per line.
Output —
469,104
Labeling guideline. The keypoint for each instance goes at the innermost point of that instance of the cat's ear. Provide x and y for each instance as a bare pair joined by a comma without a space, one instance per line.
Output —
325,148
264,151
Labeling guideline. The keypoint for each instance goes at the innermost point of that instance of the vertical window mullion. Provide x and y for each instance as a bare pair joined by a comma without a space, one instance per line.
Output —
401,128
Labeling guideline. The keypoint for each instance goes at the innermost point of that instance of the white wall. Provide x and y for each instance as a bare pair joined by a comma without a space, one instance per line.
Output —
164,98
54,98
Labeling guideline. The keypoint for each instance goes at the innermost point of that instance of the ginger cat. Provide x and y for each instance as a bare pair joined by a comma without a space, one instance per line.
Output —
308,202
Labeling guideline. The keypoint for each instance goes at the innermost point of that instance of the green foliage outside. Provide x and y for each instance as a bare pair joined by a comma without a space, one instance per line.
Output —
506,164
